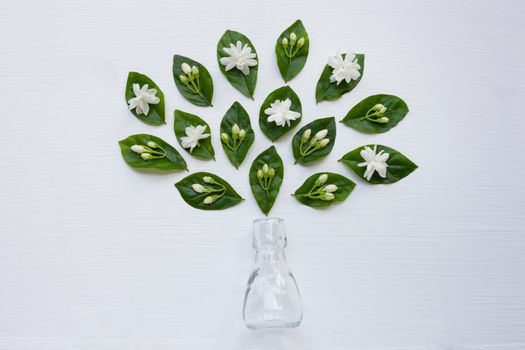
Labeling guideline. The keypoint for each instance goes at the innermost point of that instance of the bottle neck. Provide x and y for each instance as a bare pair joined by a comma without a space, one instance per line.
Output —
267,255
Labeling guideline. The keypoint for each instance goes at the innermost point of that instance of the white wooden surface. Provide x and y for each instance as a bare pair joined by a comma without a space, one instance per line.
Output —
95,255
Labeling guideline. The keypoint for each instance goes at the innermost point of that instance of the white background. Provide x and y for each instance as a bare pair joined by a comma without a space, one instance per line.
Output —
96,255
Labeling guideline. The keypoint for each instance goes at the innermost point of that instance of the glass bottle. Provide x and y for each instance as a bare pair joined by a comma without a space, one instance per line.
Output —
272,298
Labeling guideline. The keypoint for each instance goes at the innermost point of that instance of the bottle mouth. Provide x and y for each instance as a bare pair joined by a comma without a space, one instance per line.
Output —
268,220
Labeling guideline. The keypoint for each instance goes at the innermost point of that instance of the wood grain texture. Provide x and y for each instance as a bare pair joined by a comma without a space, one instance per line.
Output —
96,255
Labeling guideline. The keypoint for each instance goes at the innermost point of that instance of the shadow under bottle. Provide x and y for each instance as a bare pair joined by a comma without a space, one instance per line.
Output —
272,299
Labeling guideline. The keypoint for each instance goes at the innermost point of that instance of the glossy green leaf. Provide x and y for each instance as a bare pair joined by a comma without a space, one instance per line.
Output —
204,149
271,129
164,157
291,59
314,194
362,117
266,197
244,83
199,93
305,150
236,147
328,91
399,166
219,192
156,114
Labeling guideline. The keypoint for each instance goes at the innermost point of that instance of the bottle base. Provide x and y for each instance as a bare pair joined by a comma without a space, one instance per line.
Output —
273,324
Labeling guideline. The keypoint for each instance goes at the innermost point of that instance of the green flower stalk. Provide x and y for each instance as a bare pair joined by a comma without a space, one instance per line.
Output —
211,193
376,114
317,142
191,80
238,135
265,176
321,191
291,46
149,151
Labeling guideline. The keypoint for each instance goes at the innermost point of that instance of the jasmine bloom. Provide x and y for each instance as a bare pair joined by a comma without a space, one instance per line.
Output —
143,98
346,68
193,135
240,57
374,162
279,112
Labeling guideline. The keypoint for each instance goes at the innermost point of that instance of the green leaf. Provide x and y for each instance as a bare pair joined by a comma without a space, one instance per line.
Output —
302,151
204,94
399,166
244,83
169,158
266,198
270,129
236,150
291,66
311,193
328,91
204,149
356,118
225,196
156,114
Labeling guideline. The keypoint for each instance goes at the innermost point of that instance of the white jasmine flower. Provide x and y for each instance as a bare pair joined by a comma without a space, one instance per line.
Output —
138,149
374,162
321,179
306,134
321,134
198,188
146,156
210,199
240,57
193,135
346,69
152,144
208,179
327,196
323,143
186,68
330,188
280,113
143,98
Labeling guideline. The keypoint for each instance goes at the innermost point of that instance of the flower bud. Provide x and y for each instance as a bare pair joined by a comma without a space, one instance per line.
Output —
208,179
382,110
323,143
186,68
195,70
306,135
378,107
224,137
265,169
146,156
198,188
284,42
210,199
271,172
242,134
300,43
293,38
235,131
382,120
138,149
321,179
330,188
259,174
152,144
321,134
183,79
327,196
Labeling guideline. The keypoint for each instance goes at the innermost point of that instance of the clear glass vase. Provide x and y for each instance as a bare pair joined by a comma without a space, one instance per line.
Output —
272,298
